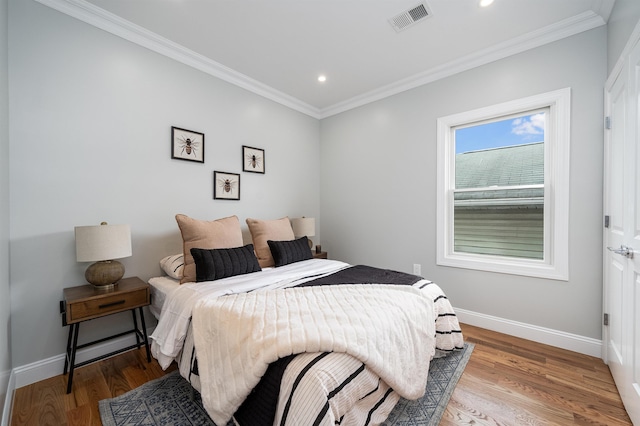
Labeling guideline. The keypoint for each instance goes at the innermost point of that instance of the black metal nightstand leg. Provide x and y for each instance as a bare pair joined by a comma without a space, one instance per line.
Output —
75,329
144,334
135,327
68,354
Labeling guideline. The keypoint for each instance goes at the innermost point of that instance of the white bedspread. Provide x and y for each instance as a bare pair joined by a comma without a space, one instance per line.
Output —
168,337
237,336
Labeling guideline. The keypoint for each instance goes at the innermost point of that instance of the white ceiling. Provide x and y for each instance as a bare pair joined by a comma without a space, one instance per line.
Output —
279,47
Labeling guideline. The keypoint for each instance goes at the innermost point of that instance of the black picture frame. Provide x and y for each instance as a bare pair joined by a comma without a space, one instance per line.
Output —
226,186
187,145
252,159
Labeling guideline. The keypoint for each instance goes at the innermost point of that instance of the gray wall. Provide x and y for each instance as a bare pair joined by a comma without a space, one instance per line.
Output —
5,307
623,20
90,124
378,188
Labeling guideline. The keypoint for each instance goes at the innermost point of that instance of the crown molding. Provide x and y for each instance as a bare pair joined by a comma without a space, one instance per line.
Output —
566,28
107,21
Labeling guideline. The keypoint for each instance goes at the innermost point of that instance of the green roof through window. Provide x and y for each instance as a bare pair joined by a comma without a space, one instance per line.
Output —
501,167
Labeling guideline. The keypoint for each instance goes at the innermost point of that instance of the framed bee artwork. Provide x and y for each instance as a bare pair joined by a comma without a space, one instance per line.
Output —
187,145
252,159
226,186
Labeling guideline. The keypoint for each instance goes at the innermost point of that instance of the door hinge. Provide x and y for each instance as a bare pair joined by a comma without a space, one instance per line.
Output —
606,221
606,319
607,123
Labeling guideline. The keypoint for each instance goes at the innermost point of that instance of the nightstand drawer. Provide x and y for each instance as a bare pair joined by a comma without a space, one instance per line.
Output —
86,302
80,311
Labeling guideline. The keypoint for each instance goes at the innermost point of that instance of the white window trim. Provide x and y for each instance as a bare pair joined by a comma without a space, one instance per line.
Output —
556,195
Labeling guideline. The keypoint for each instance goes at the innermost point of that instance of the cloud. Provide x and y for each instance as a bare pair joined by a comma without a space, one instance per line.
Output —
528,126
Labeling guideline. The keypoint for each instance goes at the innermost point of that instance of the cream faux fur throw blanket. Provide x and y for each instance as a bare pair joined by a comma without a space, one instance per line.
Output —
389,328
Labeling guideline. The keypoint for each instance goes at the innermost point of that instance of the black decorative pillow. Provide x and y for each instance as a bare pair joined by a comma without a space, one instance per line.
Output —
214,264
286,252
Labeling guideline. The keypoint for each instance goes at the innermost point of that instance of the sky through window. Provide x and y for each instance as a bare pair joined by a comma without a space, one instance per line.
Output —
513,131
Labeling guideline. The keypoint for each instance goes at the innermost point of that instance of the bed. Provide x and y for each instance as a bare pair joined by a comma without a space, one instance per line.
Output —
310,341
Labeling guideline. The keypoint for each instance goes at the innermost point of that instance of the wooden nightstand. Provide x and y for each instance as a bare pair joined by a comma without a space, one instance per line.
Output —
321,255
84,303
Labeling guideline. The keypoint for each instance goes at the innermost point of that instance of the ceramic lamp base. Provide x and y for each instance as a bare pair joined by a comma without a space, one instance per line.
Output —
105,274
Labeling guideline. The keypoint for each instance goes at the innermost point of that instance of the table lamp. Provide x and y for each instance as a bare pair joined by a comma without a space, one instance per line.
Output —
102,244
304,226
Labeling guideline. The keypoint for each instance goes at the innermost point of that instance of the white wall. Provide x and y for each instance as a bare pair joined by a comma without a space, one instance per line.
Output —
378,187
5,335
90,141
623,20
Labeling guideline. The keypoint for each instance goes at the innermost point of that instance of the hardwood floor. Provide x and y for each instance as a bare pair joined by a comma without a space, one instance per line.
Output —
511,381
508,381
46,403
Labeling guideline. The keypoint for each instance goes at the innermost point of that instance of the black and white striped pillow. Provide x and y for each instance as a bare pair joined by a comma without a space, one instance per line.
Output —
173,265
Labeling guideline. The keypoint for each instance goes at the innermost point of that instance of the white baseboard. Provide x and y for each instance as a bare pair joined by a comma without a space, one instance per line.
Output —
7,382
50,367
559,339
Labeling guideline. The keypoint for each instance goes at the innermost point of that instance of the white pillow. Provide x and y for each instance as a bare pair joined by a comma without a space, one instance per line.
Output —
173,265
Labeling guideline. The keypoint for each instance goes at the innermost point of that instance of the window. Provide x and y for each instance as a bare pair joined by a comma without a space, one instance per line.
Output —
503,186
498,191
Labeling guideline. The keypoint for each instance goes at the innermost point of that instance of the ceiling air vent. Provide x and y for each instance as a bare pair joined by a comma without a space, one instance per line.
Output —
410,17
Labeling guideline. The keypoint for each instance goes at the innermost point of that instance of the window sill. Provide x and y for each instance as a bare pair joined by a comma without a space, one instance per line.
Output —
504,265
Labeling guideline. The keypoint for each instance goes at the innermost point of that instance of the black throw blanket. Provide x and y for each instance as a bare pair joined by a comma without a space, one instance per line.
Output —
259,409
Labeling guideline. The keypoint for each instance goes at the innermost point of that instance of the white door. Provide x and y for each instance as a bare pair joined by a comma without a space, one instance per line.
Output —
622,236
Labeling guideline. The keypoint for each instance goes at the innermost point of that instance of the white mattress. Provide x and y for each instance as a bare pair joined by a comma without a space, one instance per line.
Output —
161,287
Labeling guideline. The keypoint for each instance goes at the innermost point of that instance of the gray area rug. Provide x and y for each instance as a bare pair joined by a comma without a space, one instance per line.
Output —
167,401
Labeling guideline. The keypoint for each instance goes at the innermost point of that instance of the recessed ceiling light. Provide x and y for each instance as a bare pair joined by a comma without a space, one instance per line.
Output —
322,78
485,3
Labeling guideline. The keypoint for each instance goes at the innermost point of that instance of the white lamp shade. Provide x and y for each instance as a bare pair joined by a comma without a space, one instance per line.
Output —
303,226
102,242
